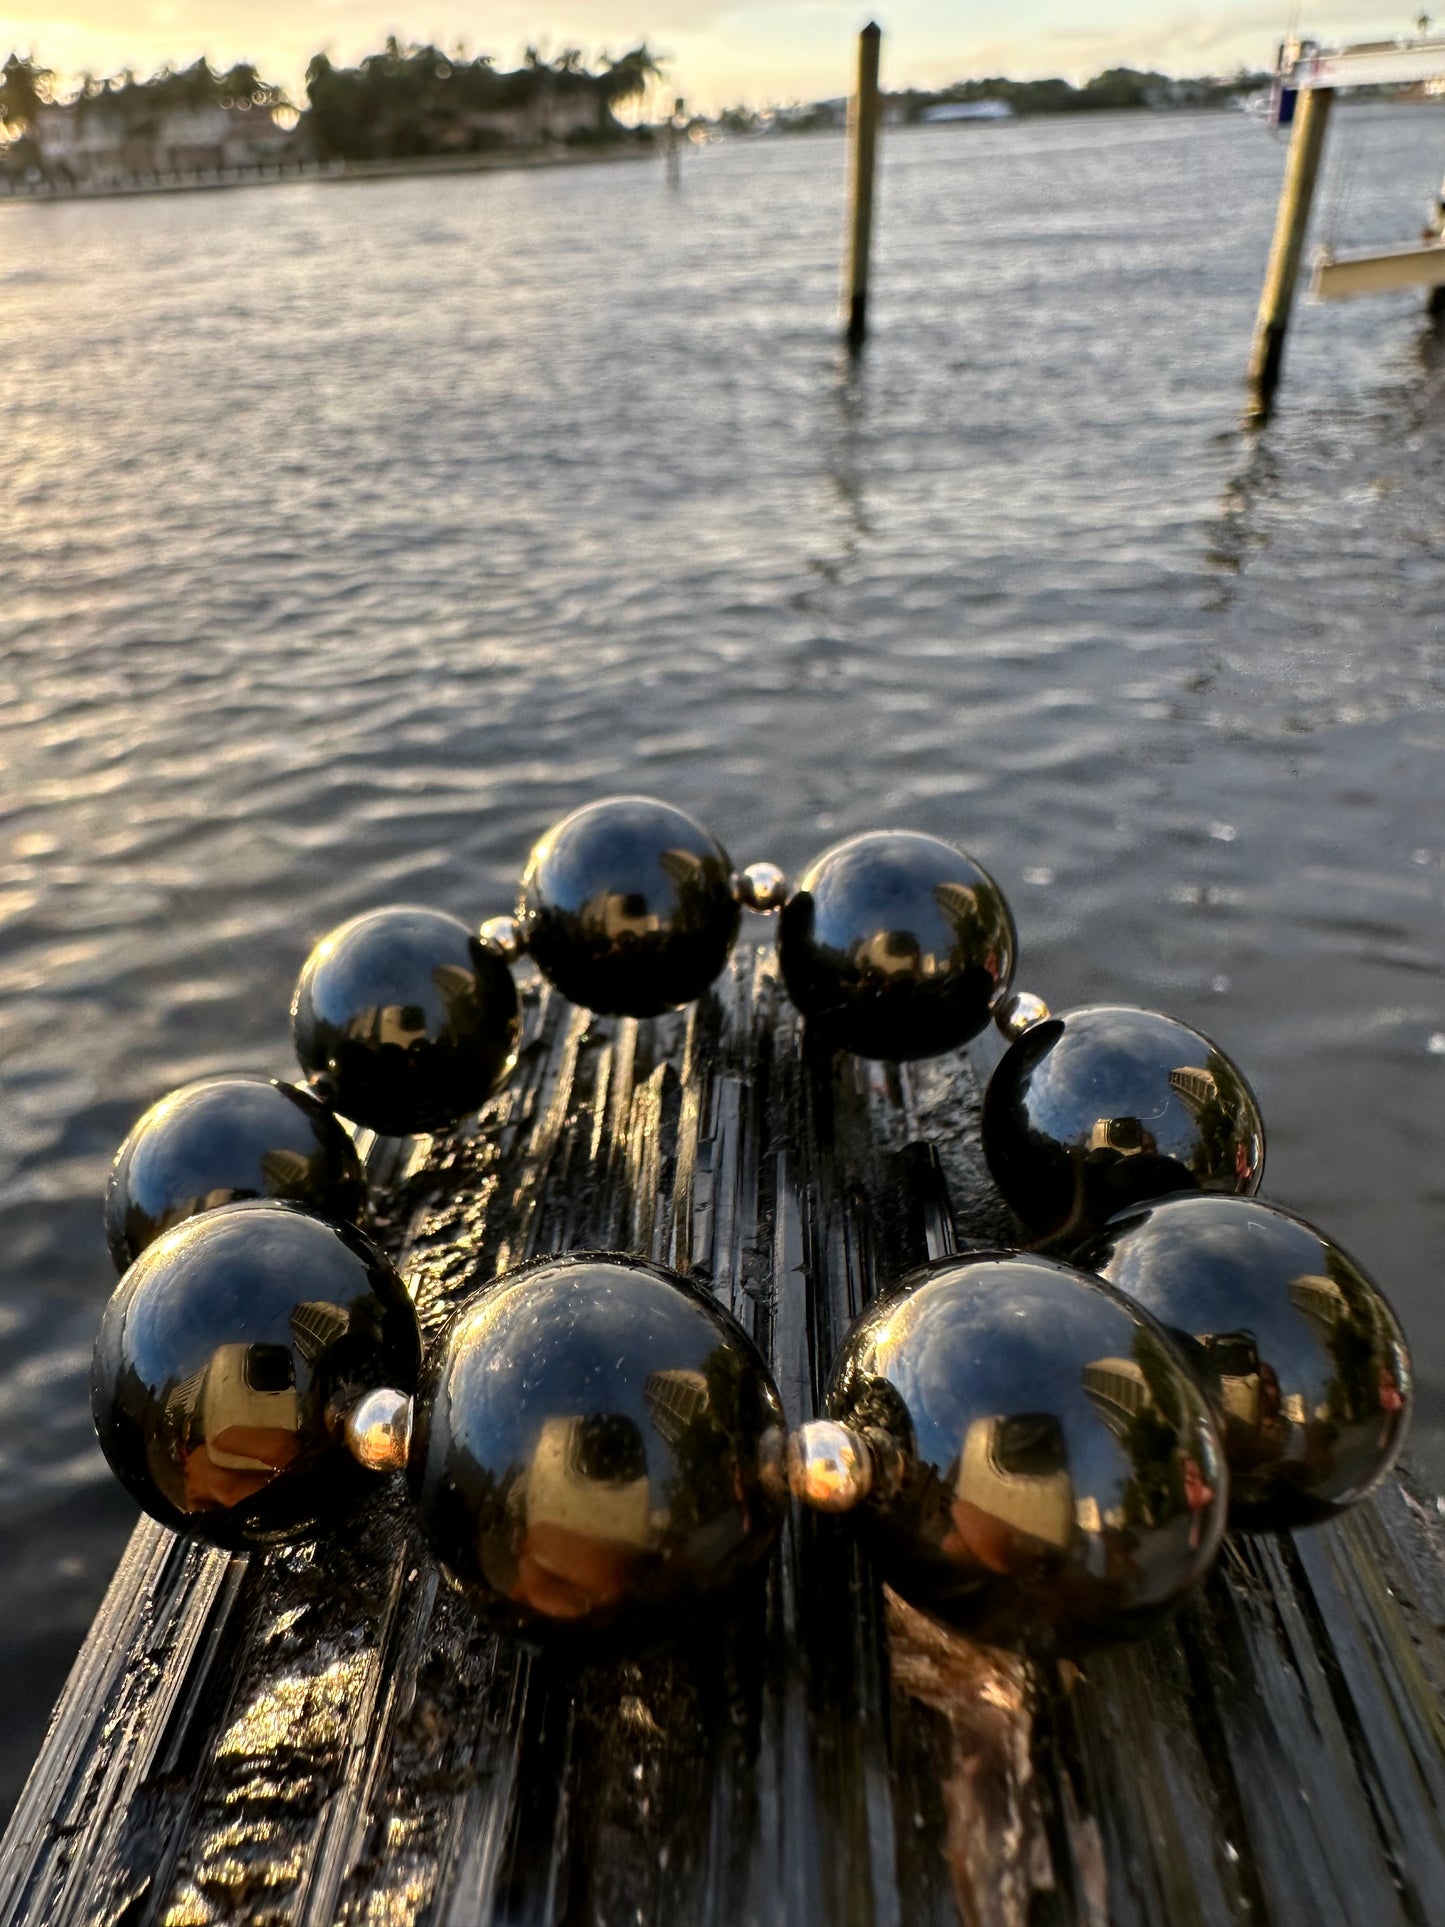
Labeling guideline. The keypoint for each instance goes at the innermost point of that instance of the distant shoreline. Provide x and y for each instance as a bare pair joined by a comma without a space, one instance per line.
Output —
520,160
330,172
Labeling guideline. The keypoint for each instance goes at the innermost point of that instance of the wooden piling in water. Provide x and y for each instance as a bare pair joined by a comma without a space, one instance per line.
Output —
1302,170
672,134
863,127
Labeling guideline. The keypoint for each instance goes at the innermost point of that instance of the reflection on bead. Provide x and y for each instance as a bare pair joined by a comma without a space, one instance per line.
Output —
1098,1109
829,1467
762,887
504,935
593,1439
411,1019
896,945
1019,1013
1298,1352
223,1355
1058,1462
378,1430
221,1139
627,907
773,1466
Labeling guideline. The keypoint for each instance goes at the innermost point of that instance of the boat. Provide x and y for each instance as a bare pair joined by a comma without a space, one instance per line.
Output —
954,110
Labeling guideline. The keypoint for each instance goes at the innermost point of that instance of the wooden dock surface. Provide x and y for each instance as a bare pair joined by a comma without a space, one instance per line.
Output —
325,1735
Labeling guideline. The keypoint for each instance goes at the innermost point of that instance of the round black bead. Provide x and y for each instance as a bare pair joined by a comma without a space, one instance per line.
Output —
896,945
593,1442
1298,1352
226,1357
1056,1461
627,907
1107,1107
220,1140
405,1020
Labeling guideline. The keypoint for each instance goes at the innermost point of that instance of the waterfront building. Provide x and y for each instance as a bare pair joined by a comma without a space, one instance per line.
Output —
103,141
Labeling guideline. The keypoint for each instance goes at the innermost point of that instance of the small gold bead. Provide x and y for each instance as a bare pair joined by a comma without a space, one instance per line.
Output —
829,1467
504,934
1019,1013
378,1430
762,886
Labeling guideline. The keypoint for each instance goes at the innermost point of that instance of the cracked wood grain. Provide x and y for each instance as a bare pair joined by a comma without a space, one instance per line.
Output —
327,1735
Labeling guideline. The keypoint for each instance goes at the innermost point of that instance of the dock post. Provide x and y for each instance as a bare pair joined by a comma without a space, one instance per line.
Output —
1302,169
671,142
864,128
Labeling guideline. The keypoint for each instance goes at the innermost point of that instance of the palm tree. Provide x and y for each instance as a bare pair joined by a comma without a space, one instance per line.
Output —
25,87
246,88
630,76
199,86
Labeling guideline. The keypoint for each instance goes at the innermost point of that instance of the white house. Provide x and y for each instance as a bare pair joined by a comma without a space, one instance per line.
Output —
102,142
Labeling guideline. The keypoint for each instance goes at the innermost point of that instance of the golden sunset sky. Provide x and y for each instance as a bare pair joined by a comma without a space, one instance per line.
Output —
718,51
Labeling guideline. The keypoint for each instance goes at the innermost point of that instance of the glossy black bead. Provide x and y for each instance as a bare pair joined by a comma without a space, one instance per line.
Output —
593,1442
1297,1350
627,907
226,1357
896,945
405,1020
220,1140
1106,1107
1058,1464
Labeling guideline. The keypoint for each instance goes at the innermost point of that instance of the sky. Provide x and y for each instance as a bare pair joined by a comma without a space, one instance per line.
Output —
717,51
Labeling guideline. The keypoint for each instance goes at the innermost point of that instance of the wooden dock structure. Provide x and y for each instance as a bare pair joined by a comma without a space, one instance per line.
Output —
325,1735
1308,80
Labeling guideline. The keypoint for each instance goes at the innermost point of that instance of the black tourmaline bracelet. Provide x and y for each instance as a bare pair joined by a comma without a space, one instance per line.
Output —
1028,1445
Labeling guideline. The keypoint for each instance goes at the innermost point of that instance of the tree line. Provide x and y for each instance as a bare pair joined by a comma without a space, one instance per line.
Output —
1117,89
404,101
410,100
417,100
26,87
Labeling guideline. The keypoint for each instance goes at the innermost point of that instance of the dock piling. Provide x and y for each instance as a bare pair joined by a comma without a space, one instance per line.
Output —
1281,277
672,134
863,120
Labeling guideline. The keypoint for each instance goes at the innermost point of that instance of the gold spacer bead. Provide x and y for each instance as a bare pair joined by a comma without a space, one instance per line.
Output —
1019,1013
504,934
377,1430
829,1467
762,887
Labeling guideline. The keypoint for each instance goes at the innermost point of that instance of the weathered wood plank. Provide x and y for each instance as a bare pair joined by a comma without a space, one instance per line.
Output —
326,1735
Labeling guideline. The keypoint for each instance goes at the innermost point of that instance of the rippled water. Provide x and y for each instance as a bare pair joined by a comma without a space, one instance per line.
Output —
350,535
